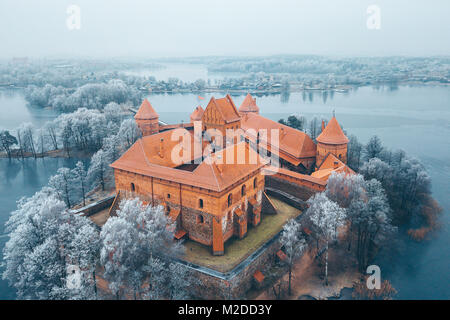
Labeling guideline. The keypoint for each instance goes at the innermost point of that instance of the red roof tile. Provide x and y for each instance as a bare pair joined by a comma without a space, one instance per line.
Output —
146,111
249,105
197,114
329,165
291,141
226,108
143,157
332,134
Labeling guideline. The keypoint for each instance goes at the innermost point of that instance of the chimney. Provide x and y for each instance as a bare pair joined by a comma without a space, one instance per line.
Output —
161,148
323,125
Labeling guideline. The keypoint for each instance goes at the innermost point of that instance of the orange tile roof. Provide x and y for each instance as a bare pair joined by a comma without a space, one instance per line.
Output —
197,114
258,276
249,104
146,111
225,106
332,134
329,165
293,142
143,158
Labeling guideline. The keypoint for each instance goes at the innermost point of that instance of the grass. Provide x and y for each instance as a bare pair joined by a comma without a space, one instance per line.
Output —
238,250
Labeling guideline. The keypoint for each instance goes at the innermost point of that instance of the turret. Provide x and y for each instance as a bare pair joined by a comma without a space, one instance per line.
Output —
147,119
248,106
331,140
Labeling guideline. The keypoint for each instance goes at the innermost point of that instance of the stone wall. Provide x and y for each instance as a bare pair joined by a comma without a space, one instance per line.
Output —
95,207
302,192
236,283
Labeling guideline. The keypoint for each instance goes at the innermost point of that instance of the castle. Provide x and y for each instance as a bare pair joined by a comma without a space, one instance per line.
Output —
209,199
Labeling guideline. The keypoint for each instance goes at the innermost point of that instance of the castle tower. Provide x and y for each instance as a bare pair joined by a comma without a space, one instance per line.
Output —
248,105
197,114
147,119
331,140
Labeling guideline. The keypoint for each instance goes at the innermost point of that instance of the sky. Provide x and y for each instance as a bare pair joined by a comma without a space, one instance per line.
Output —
176,28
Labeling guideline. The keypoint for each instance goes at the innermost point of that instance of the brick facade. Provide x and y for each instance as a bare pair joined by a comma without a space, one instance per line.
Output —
208,217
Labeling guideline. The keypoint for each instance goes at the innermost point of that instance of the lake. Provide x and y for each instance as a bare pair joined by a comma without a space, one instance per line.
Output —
413,118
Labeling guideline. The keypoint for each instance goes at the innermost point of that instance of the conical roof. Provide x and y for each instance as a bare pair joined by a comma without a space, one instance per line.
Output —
249,104
332,134
146,111
197,114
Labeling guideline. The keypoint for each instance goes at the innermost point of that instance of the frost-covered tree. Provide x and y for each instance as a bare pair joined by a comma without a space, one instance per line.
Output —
85,252
327,217
25,137
293,244
129,132
179,282
52,131
79,177
113,113
112,147
99,169
61,182
368,213
36,255
373,148
354,153
130,242
7,141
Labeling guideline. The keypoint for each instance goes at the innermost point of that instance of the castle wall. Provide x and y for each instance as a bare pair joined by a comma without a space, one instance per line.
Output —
297,188
236,283
198,206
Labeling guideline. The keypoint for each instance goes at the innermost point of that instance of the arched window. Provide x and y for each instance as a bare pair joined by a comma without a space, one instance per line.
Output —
133,188
255,183
200,203
230,200
243,190
199,218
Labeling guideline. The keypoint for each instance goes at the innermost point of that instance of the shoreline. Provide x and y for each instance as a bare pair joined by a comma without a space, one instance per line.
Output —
59,153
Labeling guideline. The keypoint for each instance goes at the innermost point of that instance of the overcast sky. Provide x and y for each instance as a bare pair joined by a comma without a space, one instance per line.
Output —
153,28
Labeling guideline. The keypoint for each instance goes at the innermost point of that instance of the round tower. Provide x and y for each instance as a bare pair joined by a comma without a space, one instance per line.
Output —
248,106
331,140
147,119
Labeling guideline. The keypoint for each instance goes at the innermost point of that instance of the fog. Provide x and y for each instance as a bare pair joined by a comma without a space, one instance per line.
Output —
171,28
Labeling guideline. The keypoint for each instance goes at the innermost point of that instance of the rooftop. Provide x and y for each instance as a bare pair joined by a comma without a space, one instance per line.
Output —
153,156
225,108
293,142
146,111
249,104
329,165
332,134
